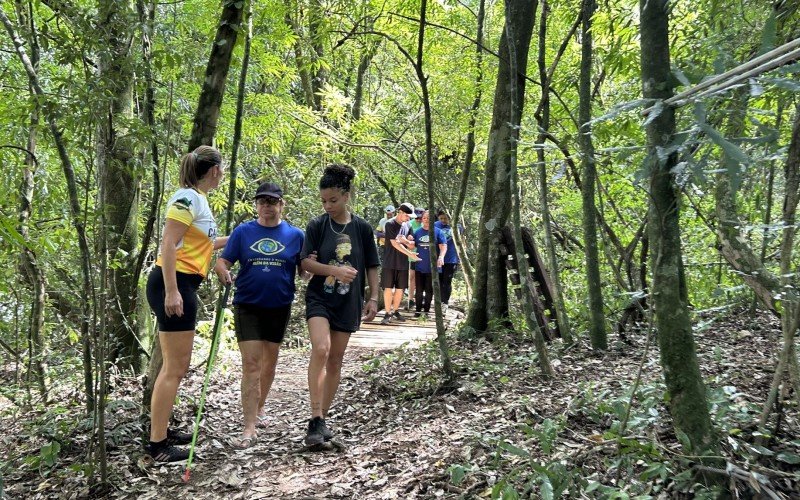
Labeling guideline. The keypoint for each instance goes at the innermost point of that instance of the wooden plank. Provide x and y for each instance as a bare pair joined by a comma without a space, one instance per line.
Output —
412,332
389,337
533,293
544,283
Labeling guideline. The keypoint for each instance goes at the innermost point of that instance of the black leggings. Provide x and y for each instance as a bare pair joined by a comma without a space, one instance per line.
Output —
424,291
448,271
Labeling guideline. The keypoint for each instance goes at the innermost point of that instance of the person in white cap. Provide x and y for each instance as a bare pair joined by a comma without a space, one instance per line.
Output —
389,211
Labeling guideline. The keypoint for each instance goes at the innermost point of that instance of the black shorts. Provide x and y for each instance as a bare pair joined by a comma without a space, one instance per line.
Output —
394,278
187,286
261,323
317,309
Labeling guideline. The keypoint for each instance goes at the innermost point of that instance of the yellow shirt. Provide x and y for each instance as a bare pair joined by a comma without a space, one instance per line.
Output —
189,206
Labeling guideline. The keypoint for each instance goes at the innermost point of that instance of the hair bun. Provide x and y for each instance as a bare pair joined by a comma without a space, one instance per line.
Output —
337,175
340,170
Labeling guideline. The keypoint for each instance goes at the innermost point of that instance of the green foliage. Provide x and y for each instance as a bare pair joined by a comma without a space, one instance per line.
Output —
288,141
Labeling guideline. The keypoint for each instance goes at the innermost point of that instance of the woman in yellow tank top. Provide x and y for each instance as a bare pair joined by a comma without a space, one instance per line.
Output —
189,239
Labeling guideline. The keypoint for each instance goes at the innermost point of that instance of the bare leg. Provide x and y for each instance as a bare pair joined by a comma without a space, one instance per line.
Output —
252,359
397,299
176,348
269,360
387,299
333,369
320,332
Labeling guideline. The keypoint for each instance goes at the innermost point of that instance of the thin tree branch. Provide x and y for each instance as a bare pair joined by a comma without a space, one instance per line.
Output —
375,147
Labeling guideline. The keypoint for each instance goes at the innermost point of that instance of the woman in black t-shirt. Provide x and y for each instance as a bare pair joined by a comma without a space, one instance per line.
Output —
346,259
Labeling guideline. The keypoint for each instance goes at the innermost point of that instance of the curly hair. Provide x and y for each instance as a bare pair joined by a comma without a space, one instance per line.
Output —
337,175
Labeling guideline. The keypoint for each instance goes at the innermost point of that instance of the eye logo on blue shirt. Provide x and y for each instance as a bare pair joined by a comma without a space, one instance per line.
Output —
267,246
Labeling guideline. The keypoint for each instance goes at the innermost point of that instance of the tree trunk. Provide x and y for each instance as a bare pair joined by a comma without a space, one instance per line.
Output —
147,20
315,27
237,125
461,247
733,244
312,84
688,404
363,66
149,381
32,273
74,207
119,176
490,297
767,234
210,103
301,62
441,334
527,286
790,314
544,124
597,318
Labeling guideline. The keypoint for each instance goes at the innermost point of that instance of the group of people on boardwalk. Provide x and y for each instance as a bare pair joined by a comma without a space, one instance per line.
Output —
337,252
406,238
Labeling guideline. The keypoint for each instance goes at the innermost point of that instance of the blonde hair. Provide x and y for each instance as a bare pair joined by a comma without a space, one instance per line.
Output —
196,164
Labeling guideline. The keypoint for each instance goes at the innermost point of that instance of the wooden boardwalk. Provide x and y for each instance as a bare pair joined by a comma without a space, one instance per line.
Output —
413,332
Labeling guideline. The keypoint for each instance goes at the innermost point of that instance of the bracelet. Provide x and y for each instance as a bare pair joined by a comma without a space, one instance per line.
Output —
376,300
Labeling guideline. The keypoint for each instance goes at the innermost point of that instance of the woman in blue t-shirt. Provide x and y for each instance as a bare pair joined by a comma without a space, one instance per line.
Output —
422,268
451,258
268,251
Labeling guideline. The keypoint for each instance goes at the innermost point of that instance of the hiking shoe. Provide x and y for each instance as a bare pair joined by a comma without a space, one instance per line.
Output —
411,304
176,437
314,435
165,453
386,319
418,314
326,432
397,317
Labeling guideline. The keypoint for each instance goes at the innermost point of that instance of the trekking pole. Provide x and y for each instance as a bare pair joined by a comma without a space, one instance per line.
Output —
214,345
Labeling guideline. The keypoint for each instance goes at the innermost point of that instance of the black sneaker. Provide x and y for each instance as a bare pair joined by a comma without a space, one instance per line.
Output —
411,304
386,319
418,314
314,435
326,432
176,437
165,453
397,317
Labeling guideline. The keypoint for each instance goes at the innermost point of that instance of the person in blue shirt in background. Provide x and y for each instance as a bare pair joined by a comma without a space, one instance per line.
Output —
422,269
451,257
268,252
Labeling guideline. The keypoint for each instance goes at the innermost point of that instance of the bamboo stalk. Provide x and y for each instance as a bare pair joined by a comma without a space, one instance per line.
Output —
773,58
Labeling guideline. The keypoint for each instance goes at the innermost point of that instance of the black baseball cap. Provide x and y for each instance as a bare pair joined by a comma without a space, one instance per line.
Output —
269,189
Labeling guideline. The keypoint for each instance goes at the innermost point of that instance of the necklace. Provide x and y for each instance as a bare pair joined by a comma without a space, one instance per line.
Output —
343,228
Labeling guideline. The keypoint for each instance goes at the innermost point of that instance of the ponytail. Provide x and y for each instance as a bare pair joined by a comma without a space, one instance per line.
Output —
196,164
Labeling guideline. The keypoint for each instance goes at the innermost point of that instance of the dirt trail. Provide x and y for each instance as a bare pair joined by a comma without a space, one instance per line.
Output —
405,433
273,467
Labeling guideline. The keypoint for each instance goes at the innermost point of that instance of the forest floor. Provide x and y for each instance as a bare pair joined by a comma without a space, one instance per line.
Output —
500,431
